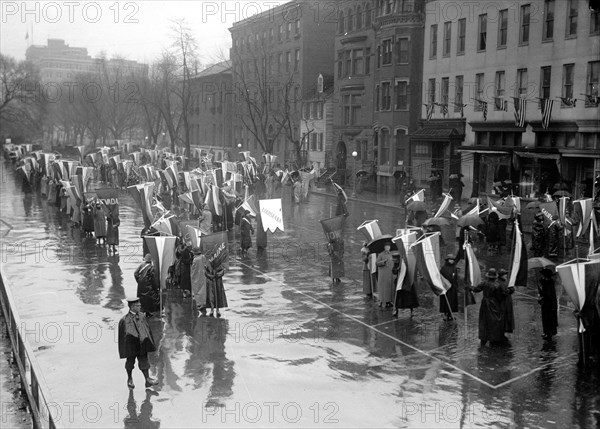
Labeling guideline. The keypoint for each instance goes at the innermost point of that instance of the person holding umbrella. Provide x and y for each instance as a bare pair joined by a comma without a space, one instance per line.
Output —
547,300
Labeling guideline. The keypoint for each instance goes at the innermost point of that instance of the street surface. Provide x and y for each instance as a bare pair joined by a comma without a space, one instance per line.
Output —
292,349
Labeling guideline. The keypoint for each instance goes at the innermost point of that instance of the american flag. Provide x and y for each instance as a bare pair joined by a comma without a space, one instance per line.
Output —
591,99
546,111
462,108
484,107
501,104
429,110
444,109
520,104
569,102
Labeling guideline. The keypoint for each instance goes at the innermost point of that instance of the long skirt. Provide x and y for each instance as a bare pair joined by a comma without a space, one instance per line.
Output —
407,298
198,279
367,282
215,293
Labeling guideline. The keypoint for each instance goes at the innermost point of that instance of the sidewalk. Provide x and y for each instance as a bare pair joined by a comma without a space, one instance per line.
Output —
383,199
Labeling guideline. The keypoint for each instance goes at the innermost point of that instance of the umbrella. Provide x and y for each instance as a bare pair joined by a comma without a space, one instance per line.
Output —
417,206
470,220
440,221
376,246
560,186
533,205
540,262
562,193
362,173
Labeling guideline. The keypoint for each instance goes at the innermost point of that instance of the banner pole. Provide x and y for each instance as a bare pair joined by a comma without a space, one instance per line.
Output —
448,304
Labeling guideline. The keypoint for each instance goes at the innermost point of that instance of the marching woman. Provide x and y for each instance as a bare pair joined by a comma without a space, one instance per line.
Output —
336,256
99,223
450,272
246,231
215,291
385,265
547,300
364,253
112,231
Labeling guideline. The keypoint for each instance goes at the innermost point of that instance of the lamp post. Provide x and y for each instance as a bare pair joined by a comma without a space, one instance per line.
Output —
354,155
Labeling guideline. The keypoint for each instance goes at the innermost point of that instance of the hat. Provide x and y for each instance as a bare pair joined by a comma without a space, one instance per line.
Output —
539,215
147,258
547,272
492,274
196,251
450,256
132,300
502,272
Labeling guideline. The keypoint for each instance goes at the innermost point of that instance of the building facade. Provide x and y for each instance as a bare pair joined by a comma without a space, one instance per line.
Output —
316,127
211,110
510,92
276,58
379,51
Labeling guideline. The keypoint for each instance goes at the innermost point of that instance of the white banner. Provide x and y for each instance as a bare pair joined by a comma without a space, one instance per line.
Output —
271,214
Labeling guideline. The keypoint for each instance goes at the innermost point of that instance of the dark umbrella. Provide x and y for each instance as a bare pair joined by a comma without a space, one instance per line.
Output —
533,205
560,186
440,221
562,193
362,173
470,220
376,246
417,206
540,262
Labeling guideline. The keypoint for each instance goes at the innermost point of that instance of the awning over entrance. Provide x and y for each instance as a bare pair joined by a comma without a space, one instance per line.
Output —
538,155
483,151
436,133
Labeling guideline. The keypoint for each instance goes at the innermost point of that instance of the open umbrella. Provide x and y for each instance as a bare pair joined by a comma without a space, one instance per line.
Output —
533,205
560,186
376,246
470,220
440,221
417,206
360,173
562,193
540,262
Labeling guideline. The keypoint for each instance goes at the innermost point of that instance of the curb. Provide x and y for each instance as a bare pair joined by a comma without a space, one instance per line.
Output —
384,204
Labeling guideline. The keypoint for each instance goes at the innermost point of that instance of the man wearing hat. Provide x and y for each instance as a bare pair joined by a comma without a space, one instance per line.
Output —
449,303
549,303
491,312
135,342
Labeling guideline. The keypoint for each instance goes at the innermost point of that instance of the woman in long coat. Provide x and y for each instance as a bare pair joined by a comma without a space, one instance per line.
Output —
185,257
491,311
246,231
450,272
215,291
198,278
336,259
364,253
385,265
88,220
112,231
547,300
99,223
493,230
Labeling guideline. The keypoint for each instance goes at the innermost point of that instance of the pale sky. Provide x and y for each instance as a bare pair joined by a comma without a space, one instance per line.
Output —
136,30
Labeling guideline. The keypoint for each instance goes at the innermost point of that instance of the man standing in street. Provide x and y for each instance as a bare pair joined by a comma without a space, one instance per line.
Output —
136,341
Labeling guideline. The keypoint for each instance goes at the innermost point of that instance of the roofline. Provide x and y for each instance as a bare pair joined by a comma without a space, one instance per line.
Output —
269,13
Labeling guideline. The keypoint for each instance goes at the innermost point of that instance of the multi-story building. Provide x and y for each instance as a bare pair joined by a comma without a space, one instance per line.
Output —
59,62
379,49
511,93
276,58
211,110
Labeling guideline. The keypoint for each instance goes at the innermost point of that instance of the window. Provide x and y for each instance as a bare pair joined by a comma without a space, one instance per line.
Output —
572,17
462,28
500,86
458,93
502,28
270,64
377,98
341,22
447,39
306,111
378,56
521,83
387,52
444,91
347,63
593,77
288,61
357,62
297,27
296,97
280,35
350,20
433,41
386,97
368,15
279,62
567,89
401,138
548,20
313,110
385,147
319,110
351,106
288,31
482,39
367,61
402,50
359,18
479,90
595,22
431,91
297,60
524,30
340,64
545,79
401,95
320,142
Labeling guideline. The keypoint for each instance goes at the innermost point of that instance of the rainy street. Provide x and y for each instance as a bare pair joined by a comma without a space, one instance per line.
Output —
292,349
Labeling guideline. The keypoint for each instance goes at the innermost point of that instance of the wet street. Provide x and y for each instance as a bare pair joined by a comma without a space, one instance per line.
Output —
292,349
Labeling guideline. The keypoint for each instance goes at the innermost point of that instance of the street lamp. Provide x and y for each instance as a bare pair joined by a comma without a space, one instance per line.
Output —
354,155
239,145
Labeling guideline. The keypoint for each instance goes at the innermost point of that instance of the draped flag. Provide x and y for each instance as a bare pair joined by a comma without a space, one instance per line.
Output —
77,182
583,212
419,196
520,106
518,268
445,205
171,173
580,278
214,248
474,211
167,225
333,227
81,152
427,265
514,203
370,229
249,205
137,157
213,201
109,197
271,214
194,235
546,111
592,225
142,194
504,212
549,210
338,188
408,258
562,210
162,252
473,272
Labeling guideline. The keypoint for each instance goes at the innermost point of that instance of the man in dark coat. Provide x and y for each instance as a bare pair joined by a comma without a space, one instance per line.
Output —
135,342
449,272
547,300
146,289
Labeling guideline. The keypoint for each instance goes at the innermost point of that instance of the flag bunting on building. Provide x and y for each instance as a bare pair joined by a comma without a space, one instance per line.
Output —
568,102
546,111
520,108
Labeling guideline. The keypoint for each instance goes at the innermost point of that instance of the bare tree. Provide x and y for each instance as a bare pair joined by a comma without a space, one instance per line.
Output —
149,101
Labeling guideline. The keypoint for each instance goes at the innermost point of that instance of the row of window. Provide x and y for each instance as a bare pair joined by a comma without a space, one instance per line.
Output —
503,30
360,17
312,110
256,67
542,139
256,41
357,62
314,140
388,97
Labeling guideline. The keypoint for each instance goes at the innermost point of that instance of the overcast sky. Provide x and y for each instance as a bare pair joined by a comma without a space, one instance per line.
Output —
137,30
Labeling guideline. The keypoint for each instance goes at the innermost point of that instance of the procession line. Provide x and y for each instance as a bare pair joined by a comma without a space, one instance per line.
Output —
468,374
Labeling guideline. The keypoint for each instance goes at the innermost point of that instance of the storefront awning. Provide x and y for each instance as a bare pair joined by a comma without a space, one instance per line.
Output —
483,151
437,133
538,155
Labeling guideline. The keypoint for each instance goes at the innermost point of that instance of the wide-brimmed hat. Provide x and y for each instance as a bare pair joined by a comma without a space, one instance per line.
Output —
502,272
132,300
492,274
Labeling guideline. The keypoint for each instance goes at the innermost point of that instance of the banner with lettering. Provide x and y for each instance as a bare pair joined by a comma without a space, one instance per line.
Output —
109,197
214,247
271,214
333,227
